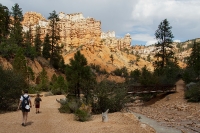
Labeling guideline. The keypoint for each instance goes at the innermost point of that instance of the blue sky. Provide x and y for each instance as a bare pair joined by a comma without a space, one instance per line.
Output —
140,18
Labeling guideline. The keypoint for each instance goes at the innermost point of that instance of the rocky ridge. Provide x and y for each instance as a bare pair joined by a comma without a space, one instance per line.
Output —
80,33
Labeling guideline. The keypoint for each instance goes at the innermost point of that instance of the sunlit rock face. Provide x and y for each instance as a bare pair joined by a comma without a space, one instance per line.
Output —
76,31
114,43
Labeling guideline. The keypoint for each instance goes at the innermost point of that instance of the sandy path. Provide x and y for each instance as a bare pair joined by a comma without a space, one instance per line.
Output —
51,121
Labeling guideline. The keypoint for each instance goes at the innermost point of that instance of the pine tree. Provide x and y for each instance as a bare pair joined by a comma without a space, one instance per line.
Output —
7,50
20,64
135,75
16,30
149,58
54,37
37,41
164,46
29,50
11,85
146,77
46,47
4,23
43,80
79,75
194,59
112,58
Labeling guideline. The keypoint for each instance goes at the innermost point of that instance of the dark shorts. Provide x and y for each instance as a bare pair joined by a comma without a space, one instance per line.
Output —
37,106
25,110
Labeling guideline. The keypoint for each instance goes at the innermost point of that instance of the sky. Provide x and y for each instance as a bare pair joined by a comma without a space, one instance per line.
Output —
139,18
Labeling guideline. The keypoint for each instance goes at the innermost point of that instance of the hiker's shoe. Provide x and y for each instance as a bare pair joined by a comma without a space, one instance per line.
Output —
23,124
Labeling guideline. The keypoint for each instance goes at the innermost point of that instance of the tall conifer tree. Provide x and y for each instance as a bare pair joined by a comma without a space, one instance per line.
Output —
55,57
164,36
194,59
20,64
29,49
79,75
4,23
37,41
54,31
16,30
46,47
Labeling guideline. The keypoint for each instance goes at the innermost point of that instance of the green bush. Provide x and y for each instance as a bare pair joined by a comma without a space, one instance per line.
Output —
103,71
117,72
11,86
110,96
97,68
32,90
80,110
42,87
71,106
64,108
74,105
7,50
57,92
135,75
121,72
82,115
147,77
58,85
193,94
189,75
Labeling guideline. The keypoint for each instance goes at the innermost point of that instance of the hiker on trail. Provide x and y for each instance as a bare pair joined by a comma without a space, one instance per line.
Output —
37,103
25,103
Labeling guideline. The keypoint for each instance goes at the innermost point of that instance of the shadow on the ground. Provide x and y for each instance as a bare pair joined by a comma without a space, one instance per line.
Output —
29,123
156,98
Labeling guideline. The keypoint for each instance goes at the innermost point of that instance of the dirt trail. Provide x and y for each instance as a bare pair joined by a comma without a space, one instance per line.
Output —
51,121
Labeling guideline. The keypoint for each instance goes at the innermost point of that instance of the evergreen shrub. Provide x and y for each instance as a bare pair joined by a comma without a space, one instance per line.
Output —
193,94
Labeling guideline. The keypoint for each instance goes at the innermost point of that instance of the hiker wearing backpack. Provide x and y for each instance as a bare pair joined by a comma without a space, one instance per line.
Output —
25,103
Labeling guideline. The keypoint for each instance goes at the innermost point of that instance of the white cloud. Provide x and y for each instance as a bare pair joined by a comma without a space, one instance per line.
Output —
183,16
150,42
177,40
144,38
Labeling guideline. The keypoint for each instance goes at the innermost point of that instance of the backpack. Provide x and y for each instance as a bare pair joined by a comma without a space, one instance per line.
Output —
37,100
25,102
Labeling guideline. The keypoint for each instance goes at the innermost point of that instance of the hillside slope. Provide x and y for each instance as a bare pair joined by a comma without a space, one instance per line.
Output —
102,57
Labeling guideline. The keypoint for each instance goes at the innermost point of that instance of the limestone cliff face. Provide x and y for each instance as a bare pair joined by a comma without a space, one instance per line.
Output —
77,31
114,43
80,33
32,18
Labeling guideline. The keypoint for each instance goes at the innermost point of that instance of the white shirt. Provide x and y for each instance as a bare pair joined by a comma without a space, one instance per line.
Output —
25,95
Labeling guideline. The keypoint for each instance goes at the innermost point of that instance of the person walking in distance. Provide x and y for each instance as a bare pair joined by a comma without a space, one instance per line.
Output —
37,103
25,103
